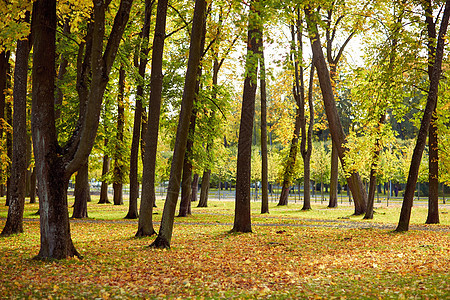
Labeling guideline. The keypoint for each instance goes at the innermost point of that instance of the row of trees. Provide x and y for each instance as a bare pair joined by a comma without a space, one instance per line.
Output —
90,75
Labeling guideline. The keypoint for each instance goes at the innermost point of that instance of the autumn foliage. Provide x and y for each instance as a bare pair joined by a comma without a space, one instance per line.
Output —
284,258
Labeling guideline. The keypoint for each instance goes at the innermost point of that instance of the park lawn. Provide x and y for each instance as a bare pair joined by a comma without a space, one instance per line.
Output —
205,261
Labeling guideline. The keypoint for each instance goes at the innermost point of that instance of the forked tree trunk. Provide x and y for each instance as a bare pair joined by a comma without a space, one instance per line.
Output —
187,103
435,72
203,202
14,221
306,145
55,164
242,216
337,133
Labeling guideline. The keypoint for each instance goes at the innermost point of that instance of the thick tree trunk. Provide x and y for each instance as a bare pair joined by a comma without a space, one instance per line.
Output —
337,133
242,215
138,112
145,226
118,193
195,52
435,72
14,221
81,192
203,202
264,161
55,164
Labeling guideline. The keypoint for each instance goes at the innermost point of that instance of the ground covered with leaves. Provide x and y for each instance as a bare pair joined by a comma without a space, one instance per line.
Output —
284,258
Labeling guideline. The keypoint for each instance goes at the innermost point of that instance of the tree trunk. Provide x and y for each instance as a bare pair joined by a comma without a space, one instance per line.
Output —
337,133
194,189
81,192
195,52
203,202
306,145
334,174
264,162
134,184
56,164
14,221
33,186
435,72
242,216
4,70
433,179
145,226
9,148
105,169
118,160
433,157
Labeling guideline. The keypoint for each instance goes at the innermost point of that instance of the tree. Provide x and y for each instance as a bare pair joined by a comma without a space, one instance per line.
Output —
433,179
140,64
337,133
4,69
105,169
195,51
436,69
298,91
14,222
119,164
150,140
264,161
242,217
56,164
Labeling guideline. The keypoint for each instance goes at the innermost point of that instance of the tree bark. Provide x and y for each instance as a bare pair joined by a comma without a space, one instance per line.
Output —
436,69
195,53
433,177
299,95
118,159
203,202
105,169
337,133
145,226
81,192
264,152
4,69
242,215
9,146
138,112
14,221
334,178
33,186
433,156
56,164
194,188
306,145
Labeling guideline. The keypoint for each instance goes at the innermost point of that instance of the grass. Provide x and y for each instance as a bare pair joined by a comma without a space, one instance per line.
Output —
207,262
